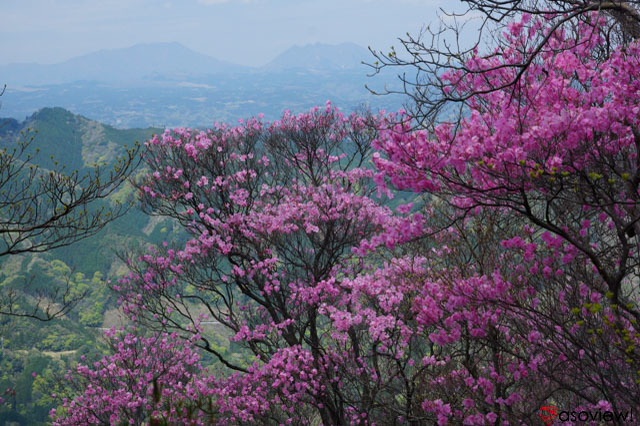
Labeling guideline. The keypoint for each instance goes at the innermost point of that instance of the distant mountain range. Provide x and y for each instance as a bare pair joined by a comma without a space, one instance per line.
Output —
145,63
129,65
167,84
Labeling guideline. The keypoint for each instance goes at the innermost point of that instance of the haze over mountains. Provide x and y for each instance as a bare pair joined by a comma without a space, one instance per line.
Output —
135,64
167,84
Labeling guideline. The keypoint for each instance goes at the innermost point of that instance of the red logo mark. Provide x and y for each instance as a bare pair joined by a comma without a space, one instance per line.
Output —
548,414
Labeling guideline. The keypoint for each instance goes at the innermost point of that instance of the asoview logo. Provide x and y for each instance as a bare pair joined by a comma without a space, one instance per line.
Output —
549,415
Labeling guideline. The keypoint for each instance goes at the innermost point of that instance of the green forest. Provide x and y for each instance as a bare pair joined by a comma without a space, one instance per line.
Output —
49,349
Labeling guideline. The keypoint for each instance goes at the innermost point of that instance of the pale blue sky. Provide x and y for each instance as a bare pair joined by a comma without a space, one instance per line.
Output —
248,32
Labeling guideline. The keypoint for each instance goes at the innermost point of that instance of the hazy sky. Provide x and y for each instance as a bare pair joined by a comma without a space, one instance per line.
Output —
248,32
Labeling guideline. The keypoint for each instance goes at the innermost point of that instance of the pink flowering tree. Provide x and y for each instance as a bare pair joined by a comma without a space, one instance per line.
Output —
559,150
504,337
425,58
146,380
551,150
277,213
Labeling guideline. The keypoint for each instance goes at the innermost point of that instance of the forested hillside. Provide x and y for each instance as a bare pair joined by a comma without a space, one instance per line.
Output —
49,348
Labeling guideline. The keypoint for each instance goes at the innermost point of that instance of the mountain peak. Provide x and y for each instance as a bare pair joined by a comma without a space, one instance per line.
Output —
320,56
72,139
52,114
123,65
